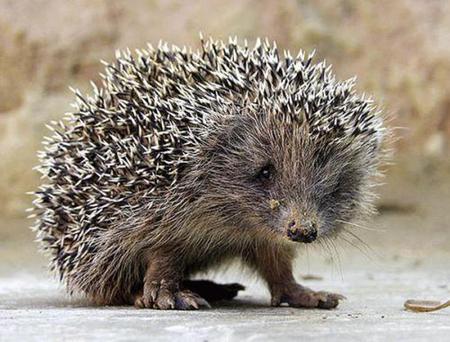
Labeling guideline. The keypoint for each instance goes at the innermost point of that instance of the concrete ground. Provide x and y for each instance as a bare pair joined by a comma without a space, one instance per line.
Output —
408,258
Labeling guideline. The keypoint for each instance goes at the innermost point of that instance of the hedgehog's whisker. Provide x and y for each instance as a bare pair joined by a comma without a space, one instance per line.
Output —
325,248
360,226
351,243
307,258
338,256
364,244
332,253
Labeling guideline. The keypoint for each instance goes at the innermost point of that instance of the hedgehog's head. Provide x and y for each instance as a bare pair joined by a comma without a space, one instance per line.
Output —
274,173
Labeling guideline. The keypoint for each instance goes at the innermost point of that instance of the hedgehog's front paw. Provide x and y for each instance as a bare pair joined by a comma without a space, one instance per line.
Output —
302,297
167,296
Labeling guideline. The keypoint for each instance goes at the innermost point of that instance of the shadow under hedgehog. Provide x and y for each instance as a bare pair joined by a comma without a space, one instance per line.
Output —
183,160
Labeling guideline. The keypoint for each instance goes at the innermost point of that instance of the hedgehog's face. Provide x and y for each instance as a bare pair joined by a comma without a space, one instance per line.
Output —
270,175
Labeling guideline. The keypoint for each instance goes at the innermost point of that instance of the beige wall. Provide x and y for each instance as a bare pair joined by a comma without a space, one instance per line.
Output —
399,50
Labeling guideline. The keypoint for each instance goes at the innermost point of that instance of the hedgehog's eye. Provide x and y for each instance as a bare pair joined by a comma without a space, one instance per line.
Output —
265,173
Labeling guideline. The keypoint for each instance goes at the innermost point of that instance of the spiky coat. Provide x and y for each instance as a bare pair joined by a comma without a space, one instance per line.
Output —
115,179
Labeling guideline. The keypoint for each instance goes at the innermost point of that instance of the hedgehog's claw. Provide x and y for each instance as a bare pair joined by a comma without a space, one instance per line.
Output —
303,297
163,296
312,299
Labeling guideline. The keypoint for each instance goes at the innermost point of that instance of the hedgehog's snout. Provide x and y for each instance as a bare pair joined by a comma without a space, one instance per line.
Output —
301,230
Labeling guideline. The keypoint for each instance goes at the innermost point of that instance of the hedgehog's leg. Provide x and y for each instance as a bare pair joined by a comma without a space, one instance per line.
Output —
275,266
212,291
162,287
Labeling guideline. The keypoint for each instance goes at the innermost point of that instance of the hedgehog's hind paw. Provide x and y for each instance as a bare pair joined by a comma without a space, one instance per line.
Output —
212,291
162,296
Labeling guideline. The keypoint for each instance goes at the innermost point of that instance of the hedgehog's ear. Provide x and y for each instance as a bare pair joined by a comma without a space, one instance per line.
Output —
224,135
216,142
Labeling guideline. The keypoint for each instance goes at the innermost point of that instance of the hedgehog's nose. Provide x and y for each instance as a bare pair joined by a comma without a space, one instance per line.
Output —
304,232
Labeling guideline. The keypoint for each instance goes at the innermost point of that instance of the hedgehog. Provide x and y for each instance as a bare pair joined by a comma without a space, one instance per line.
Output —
183,160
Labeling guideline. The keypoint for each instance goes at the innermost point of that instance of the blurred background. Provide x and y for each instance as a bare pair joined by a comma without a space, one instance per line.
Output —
399,50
